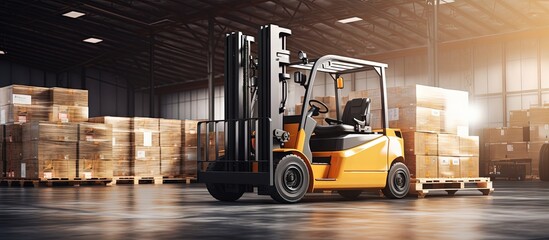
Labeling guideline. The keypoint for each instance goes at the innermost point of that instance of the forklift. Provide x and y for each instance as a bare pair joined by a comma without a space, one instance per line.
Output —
287,156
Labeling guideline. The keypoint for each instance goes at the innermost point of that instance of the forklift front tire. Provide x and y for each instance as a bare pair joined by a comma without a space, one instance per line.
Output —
398,181
219,192
291,180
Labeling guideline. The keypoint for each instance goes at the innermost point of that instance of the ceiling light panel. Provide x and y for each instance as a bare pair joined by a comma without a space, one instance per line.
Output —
350,20
92,40
74,14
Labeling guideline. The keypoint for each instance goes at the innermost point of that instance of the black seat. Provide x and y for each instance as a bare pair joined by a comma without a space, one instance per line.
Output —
358,108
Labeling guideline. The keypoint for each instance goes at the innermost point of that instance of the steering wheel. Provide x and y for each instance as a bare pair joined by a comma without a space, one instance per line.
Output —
324,108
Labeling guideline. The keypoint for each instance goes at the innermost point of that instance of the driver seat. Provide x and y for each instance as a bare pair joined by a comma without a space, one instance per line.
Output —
358,108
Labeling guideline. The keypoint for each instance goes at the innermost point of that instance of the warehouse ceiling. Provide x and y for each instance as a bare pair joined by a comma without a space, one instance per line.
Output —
36,33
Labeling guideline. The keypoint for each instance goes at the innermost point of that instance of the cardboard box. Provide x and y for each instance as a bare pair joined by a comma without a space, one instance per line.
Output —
469,146
145,138
449,167
170,133
519,118
44,159
171,161
420,143
418,119
95,159
95,132
417,96
422,166
20,113
508,134
146,161
497,151
517,150
46,131
69,97
25,95
145,124
469,167
539,115
122,161
448,145
64,114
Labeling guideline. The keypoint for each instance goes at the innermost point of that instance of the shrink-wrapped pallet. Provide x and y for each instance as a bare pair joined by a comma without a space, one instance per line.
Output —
121,144
95,150
519,118
145,124
170,133
190,161
189,133
14,150
69,97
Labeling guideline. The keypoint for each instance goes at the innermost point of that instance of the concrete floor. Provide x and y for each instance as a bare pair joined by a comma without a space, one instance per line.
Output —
516,210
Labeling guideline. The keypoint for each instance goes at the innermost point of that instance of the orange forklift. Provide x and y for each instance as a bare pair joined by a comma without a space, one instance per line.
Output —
288,156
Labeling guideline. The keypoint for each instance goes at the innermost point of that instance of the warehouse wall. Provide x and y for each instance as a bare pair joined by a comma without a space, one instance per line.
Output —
108,94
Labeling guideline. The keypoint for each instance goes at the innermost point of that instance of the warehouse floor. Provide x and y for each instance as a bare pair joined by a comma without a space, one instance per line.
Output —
517,210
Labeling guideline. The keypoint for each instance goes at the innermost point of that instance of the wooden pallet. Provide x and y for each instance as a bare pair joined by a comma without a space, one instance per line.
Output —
136,180
178,179
54,182
422,186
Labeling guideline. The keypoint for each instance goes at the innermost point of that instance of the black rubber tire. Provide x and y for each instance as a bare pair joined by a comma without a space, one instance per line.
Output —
218,190
398,181
350,194
544,163
291,180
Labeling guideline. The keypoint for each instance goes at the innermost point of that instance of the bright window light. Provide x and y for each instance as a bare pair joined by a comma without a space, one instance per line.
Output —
74,14
350,20
446,1
92,40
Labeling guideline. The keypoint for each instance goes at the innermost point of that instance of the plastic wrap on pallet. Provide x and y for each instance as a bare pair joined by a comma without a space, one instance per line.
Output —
189,133
69,97
95,159
14,133
121,131
170,133
147,161
62,113
14,156
49,159
66,132
25,95
171,161
20,113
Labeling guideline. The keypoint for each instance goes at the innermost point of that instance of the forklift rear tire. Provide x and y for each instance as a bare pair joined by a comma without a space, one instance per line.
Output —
350,194
544,163
291,180
398,181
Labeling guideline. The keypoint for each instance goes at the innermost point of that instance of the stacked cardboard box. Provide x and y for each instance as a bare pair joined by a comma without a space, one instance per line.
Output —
49,151
434,129
170,147
14,150
121,144
20,104
504,144
95,150
145,146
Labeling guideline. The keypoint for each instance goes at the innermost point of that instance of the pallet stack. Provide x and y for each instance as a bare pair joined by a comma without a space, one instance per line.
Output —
21,104
69,105
121,143
435,130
